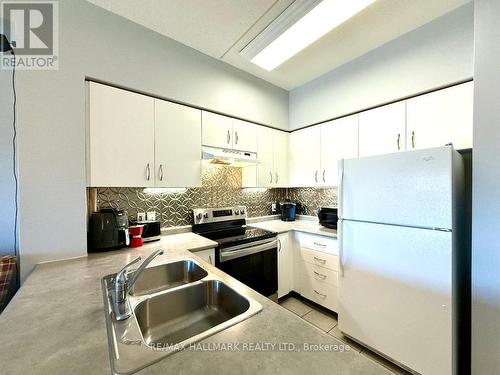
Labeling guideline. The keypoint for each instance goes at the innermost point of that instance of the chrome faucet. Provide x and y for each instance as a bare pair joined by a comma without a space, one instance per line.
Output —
124,283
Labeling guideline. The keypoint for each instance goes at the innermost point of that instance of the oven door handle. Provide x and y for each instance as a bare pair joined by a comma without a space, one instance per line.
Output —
247,250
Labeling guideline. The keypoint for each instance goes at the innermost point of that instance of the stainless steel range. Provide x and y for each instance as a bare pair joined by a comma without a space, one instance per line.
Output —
247,253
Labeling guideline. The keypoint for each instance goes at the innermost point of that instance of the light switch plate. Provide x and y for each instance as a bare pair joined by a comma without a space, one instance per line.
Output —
151,216
141,216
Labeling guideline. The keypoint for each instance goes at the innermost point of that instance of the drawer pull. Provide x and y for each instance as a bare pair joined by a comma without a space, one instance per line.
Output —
320,294
323,261
320,275
319,244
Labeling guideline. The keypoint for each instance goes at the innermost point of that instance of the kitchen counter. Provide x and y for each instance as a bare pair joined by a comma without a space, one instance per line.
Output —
301,224
55,325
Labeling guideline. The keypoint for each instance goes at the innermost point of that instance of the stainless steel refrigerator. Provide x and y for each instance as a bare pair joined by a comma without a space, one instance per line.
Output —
401,227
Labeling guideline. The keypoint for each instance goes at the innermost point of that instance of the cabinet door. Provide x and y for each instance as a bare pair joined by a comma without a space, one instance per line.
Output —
177,145
305,157
280,158
265,176
382,130
217,130
285,265
207,255
244,136
441,117
339,140
121,138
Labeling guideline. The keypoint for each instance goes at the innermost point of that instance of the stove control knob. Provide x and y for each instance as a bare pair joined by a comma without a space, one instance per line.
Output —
205,215
236,212
243,212
198,217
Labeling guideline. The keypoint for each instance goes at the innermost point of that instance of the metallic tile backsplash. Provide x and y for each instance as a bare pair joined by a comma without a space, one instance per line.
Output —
221,186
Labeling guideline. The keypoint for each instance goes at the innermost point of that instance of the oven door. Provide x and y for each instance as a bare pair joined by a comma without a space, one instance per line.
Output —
254,264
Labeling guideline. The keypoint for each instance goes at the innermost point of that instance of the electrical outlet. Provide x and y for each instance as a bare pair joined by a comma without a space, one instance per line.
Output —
151,215
141,216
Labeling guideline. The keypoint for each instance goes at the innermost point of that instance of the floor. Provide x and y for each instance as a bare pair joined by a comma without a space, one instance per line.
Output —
326,321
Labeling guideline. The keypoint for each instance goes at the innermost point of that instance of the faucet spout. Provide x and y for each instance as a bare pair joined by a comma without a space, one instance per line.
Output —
123,284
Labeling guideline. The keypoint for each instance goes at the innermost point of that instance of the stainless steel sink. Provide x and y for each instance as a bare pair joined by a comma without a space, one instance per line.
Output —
167,276
171,318
174,305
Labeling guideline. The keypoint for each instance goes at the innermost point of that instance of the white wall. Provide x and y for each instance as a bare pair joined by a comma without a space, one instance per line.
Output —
436,54
6,173
101,45
485,191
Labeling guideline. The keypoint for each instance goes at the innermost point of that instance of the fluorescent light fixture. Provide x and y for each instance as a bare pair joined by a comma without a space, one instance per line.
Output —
151,191
298,27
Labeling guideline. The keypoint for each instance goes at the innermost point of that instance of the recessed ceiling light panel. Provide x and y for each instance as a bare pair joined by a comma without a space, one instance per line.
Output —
301,24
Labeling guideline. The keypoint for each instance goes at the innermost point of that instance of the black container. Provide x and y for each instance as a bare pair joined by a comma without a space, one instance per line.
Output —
328,217
288,211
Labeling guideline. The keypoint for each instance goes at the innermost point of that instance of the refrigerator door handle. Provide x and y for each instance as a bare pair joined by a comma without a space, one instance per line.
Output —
341,246
341,183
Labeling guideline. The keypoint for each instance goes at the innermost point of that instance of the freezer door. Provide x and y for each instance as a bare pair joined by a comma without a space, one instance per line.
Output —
411,188
395,287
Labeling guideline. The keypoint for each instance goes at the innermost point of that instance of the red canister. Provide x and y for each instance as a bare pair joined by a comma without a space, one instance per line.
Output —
136,235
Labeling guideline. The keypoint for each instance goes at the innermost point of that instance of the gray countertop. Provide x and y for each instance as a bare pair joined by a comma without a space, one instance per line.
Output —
55,325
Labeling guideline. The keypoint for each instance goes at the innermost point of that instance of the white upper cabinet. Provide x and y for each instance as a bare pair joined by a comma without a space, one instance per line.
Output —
339,140
265,168
244,136
177,145
280,158
441,117
383,130
226,132
217,130
121,138
305,157
272,153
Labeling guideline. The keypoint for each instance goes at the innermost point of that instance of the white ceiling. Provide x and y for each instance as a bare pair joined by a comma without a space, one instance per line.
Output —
221,28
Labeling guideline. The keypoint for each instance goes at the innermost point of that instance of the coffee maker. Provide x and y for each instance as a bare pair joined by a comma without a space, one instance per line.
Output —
108,230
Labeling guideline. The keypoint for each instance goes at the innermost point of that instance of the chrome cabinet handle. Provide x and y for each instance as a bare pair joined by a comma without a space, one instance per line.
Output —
319,244
397,141
320,275
279,245
316,176
236,137
324,171
413,139
161,172
210,259
276,174
148,172
228,137
270,177
323,261
320,294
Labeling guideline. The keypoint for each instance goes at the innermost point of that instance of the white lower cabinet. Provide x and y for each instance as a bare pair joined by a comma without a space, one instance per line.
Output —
207,255
317,267
308,265
285,264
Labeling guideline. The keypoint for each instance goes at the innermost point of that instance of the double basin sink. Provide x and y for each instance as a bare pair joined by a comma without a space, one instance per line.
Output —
174,305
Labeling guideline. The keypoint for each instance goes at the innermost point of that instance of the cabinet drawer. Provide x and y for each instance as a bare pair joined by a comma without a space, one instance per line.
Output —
319,243
319,273
320,259
322,293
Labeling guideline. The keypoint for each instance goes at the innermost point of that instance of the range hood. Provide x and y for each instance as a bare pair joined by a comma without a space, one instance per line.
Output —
228,157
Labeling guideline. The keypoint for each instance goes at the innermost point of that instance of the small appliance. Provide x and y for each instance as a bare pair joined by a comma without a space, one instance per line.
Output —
328,217
151,230
108,230
247,253
136,239
288,211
